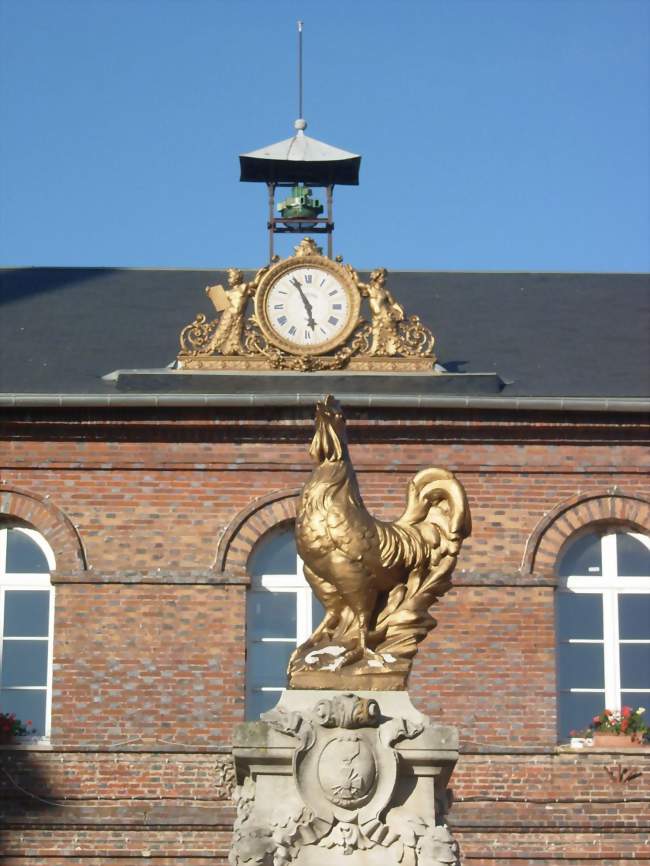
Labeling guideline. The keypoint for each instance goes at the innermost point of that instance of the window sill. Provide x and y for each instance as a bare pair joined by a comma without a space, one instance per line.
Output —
567,748
28,744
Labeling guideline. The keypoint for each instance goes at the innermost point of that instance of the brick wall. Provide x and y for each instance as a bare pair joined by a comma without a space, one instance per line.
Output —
150,632
121,806
147,660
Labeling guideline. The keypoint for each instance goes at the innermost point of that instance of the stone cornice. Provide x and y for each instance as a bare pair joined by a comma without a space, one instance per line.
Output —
156,576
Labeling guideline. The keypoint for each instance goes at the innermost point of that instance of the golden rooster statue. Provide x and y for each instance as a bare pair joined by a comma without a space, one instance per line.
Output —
376,580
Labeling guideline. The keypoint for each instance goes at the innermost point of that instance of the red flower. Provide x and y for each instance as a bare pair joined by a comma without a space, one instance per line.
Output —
595,720
624,725
626,712
30,723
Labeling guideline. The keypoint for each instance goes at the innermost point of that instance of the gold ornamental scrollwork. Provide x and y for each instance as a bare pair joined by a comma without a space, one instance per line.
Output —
257,344
223,336
243,339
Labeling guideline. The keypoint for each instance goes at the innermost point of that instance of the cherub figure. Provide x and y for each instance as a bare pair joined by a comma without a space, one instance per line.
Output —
386,313
231,303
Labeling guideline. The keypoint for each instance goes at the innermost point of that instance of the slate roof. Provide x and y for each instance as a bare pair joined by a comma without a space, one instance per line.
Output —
545,334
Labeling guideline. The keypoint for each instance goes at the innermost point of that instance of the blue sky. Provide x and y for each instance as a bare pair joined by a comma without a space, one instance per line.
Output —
495,134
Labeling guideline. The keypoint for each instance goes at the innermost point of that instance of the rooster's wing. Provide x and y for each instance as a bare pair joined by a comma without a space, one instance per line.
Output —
352,533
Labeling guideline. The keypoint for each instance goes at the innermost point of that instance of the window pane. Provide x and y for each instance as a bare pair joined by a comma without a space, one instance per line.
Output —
267,664
317,612
632,556
28,707
581,666
271,614
24,663
636,700
580,615
635,666
577,710
24,555
634,616
26,613
582,557
275,554
259,702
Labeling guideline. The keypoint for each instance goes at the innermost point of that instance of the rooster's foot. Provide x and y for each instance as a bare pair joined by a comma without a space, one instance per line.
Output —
298,655
376,660
363,654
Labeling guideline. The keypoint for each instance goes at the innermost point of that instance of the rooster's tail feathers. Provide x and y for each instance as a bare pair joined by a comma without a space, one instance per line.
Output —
439,490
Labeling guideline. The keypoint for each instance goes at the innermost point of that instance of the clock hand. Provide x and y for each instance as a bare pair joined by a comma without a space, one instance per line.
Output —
308,307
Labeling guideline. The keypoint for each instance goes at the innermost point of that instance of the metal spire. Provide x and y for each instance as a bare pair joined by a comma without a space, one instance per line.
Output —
300,26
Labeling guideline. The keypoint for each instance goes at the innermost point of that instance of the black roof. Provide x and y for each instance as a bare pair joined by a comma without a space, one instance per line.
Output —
343,172
545,334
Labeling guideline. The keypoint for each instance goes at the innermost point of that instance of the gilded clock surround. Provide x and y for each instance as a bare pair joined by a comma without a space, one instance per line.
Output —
389,342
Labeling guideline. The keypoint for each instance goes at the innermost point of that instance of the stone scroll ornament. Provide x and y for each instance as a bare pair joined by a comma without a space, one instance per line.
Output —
376,580
345,769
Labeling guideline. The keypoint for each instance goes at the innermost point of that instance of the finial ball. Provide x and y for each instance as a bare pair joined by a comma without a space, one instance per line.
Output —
301,123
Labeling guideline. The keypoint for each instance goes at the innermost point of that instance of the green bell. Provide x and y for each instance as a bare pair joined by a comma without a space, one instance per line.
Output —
300,204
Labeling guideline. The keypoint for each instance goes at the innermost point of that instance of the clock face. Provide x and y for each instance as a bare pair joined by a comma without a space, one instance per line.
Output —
308,308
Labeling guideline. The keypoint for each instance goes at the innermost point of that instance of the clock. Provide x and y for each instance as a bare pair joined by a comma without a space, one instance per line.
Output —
307,305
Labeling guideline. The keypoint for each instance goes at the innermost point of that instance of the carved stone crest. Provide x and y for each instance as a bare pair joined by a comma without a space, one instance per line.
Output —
345,773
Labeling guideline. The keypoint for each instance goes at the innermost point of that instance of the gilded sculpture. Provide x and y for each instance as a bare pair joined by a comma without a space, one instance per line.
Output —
386,313
232,305
223,336
376,580
240,340
393,334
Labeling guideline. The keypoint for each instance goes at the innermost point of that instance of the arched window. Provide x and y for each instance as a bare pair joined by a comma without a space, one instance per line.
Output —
26,615
603,624
281,613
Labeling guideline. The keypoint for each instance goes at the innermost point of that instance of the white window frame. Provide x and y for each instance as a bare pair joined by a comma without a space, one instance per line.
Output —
297,585
609,585
39,581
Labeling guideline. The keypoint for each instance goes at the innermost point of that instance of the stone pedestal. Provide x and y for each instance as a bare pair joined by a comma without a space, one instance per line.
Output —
340,779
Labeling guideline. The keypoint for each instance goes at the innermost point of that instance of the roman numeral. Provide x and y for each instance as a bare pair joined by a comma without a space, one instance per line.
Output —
282,320
307,334
308,278
278,307
292,330
333,320
333,292
337,306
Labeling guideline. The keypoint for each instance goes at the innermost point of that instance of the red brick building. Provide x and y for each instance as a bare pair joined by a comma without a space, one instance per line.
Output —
145,574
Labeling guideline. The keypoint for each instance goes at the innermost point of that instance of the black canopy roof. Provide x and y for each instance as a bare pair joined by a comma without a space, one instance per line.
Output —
301,159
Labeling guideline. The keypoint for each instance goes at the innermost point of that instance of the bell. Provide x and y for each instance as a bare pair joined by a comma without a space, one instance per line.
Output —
300,204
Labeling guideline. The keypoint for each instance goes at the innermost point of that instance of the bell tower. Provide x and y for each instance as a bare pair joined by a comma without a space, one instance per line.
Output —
300,163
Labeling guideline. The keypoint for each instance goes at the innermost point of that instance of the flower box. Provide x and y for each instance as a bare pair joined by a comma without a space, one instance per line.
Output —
617,741
620,729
